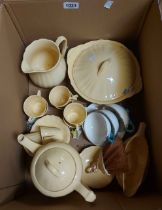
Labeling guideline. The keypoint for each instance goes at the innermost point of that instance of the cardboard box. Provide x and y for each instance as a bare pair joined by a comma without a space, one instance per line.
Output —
135,23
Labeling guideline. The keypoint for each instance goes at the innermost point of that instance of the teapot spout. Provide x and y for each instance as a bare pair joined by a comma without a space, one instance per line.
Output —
27,143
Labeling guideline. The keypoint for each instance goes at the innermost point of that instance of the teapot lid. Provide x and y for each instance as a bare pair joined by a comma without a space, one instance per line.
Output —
54,169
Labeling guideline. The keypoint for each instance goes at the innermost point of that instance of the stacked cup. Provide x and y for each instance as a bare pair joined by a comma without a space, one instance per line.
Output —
105,123
74,113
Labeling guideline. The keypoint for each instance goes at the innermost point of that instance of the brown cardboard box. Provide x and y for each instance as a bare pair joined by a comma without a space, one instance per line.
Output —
135,22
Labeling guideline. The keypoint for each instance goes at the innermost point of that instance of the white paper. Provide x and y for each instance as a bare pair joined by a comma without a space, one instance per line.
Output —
108,4
71,5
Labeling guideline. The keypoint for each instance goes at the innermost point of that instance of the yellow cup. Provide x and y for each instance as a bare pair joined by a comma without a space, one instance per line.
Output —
35,106
75,114
60,96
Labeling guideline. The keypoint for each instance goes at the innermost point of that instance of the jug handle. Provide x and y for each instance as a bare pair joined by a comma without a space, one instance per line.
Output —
87,194
59,40
27,143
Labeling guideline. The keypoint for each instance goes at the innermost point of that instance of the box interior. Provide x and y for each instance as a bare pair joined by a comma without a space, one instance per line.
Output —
136,24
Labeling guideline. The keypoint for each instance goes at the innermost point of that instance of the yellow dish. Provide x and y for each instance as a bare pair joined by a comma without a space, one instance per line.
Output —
104,71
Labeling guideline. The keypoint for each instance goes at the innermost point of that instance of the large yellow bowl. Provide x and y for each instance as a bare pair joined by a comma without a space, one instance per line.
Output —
104,71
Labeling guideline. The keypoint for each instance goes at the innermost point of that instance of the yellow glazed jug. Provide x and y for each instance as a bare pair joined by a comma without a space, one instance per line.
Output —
44,61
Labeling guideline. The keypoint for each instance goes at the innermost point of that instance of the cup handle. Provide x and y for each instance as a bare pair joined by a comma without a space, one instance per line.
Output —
59,40
74,97
39,93
87,194
76,132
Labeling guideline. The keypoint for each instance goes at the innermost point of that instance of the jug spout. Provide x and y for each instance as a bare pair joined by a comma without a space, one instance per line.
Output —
28,144
26,68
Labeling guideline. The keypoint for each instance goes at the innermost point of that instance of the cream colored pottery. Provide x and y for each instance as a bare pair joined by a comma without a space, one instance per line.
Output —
75,114
56,171
55,122
136,149
96,128
60,96
30,146
35,137
35,106
123,113
44,62
96,179
49,134
103,71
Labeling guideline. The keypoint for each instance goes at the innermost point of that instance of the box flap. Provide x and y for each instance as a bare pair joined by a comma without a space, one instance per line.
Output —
13,89
91,20
151,60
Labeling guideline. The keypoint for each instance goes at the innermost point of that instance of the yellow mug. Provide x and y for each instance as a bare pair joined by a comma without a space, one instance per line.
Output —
60,96
74,116
35,106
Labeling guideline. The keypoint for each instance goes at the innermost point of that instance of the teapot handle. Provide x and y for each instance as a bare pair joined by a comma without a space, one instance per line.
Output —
59,40
87,194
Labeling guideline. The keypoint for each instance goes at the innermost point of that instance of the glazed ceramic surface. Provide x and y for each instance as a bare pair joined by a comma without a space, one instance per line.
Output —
95,128
60,96
94,179
116,114
75,114
51,134
56,171
51,78
35,106
44,61
53,121
92,107
114,120
103,71
122,112
34,136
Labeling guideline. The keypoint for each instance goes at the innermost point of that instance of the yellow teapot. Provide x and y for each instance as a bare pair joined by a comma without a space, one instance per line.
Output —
56,169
